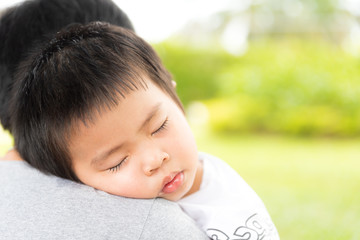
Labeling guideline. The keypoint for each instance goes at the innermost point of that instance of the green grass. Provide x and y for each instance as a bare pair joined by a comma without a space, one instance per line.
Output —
310,187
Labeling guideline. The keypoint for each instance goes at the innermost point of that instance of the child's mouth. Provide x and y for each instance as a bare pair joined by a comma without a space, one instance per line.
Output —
172,183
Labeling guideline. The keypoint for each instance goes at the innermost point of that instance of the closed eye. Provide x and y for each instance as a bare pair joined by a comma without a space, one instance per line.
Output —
162,127
118,166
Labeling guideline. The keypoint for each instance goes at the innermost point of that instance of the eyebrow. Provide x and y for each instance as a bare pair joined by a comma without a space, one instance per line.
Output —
103,156
150,116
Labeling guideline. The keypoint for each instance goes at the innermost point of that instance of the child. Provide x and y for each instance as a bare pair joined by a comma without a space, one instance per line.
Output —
96,106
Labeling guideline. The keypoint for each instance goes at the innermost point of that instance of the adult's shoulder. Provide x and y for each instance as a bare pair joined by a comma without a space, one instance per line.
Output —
169,220
34,205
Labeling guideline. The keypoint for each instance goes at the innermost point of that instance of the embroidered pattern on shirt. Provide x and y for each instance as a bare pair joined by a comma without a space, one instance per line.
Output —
255,228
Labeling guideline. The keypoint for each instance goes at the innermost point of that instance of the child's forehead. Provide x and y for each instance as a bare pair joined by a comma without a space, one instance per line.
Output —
137,106
139,98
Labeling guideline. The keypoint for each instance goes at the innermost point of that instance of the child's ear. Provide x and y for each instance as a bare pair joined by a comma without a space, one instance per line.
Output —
173,83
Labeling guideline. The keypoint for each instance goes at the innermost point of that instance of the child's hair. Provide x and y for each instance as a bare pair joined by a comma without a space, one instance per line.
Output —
86,69
24,25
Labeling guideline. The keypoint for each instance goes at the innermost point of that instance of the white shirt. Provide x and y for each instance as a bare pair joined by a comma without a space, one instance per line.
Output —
226,207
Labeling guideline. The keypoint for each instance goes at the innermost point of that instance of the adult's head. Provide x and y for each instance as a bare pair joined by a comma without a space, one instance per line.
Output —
85,70
35,21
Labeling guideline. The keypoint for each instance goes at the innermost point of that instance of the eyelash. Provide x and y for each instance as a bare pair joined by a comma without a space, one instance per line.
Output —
162,127
117,167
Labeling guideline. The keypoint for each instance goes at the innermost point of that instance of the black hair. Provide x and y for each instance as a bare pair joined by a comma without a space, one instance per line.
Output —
84,70
35,21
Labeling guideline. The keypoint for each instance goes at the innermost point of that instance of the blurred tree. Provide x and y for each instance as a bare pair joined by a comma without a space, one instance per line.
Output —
284,69
333,20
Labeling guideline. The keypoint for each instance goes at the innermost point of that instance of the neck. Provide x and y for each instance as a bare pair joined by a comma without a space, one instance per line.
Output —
197,181
12,155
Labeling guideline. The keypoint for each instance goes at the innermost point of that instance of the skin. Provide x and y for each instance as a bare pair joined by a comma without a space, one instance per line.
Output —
141,148
12,155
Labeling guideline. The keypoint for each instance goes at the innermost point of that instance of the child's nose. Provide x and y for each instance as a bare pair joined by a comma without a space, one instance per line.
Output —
154,162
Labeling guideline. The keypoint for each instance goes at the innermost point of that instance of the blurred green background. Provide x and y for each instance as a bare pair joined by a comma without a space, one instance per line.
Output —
281,105
272,87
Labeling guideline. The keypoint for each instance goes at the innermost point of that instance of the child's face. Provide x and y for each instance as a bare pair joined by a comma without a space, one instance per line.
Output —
143,148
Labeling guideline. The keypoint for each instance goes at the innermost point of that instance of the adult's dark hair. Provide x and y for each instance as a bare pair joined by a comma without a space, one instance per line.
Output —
85,70
34,21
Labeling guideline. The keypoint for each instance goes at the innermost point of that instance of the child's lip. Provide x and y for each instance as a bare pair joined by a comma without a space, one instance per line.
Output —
169,178
172,182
